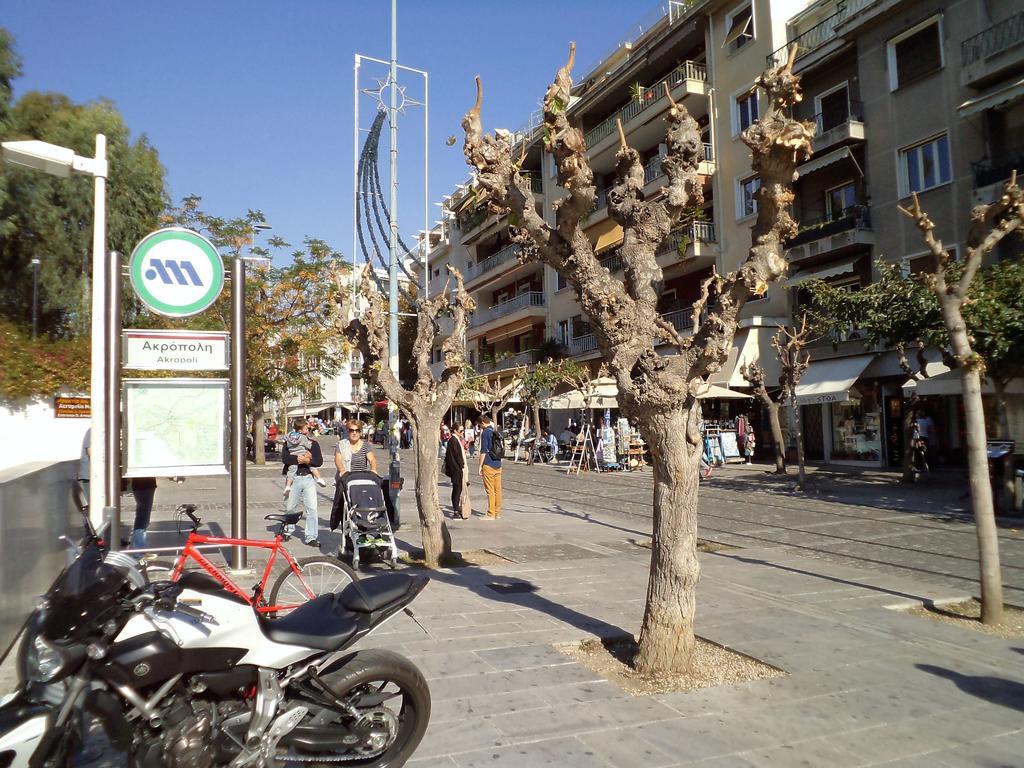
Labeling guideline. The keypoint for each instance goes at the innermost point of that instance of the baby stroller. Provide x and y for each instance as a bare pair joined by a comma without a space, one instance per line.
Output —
366,523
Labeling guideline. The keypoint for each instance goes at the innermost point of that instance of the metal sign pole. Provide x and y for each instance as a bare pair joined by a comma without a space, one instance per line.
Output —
238,458
395,468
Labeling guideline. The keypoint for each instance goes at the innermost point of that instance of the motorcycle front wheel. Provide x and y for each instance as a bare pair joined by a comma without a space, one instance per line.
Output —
393,701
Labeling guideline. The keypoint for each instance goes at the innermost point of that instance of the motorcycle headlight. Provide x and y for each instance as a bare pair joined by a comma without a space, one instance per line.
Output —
45,661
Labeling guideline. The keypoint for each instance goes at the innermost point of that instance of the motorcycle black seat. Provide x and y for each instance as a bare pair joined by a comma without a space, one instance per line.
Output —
369,595
288,518
321,623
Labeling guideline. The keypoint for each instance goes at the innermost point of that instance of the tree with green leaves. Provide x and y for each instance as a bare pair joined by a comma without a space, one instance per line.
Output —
294,324
534,384
50,218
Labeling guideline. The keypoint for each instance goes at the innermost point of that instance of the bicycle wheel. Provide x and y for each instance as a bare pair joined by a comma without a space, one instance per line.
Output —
321,574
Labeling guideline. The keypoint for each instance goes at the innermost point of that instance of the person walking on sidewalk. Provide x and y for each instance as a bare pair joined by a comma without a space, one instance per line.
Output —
491,452
749,444
304,485
457,469
143,490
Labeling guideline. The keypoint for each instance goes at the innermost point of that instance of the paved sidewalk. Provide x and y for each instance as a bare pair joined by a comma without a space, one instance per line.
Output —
809,589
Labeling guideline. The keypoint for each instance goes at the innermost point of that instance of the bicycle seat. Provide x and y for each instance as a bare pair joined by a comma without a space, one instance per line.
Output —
287,518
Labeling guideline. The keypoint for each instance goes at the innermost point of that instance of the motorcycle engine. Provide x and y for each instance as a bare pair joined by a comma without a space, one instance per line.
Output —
187,744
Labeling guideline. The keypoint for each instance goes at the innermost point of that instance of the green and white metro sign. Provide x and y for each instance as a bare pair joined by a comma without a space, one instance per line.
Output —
176,272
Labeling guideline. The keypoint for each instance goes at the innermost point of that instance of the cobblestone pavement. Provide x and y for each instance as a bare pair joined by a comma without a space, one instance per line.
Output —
810,589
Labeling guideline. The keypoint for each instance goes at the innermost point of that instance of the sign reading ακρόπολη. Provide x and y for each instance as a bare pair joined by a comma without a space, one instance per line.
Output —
159,350
176,272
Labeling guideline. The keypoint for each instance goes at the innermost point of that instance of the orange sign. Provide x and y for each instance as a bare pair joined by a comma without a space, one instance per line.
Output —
72,407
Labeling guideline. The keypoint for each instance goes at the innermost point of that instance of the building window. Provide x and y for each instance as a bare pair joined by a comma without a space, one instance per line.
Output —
563,332
745,111
916,53
740,27
560,281
839,199
746,197
833,109
925,165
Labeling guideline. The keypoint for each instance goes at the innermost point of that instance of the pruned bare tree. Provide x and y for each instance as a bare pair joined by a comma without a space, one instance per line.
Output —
488,395
659,391
788,345
989,225
430,397
755,375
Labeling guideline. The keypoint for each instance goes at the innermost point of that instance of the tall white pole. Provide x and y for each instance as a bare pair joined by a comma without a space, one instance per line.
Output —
393,245
426,186
355,177
98,458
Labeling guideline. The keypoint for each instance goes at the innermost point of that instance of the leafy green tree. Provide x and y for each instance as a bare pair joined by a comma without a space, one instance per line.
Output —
534,384
294,327
50,218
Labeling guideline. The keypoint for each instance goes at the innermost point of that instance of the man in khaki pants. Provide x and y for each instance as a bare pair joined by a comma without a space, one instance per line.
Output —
491,451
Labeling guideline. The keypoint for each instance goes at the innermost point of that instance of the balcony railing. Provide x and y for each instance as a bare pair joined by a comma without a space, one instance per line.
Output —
503,363
688,70
819,34
993,40
536,182
508,253
828,119
473,219
580,345
682,319
698,231
522,301
854,217
993,171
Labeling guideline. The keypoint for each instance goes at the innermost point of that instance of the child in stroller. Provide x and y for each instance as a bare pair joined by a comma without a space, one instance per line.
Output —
364,514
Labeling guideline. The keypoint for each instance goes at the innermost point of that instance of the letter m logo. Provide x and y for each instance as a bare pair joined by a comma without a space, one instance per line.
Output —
169,271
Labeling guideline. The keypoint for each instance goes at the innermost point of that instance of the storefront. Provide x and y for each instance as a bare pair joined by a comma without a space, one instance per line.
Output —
843,420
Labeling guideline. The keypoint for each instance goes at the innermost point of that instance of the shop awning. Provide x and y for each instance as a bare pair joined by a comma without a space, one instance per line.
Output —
500,334
840,267
602,393
994,99
948,383
817,163
829,381
714,392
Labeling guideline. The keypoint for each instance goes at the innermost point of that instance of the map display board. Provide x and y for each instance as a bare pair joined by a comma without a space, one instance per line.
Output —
175,427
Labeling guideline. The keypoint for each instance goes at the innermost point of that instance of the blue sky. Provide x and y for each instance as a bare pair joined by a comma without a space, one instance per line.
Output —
250,103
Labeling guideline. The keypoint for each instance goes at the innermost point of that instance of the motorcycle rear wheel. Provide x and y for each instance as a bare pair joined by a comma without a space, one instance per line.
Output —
380,680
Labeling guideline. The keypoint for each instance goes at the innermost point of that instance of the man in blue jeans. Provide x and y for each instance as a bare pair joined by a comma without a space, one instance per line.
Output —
304,486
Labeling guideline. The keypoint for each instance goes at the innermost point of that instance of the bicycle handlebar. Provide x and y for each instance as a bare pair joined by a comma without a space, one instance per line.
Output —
189,510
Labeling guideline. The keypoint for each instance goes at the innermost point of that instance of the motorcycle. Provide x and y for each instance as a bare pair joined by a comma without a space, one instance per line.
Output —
185,675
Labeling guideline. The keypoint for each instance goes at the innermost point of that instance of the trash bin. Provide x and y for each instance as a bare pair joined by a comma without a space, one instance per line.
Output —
1000,467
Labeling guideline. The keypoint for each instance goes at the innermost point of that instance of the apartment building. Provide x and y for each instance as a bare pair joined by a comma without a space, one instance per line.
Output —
904,98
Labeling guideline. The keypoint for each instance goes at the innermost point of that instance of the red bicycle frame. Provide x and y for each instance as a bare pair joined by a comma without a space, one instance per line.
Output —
256,598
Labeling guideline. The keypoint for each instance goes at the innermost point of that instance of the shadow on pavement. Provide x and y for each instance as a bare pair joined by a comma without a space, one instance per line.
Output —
996,690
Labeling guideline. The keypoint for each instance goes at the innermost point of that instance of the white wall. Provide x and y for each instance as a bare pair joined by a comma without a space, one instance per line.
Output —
31,433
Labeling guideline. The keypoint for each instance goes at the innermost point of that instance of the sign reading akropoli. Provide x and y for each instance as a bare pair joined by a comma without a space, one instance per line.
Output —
158,350
176,272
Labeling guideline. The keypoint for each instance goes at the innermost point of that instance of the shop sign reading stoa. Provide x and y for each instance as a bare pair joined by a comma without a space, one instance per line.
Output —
176,272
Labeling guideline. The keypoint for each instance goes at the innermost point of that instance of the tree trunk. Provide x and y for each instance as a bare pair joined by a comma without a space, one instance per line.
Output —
259,442
536,429
777,438
909,420
799,435
666,636
437,541
981,498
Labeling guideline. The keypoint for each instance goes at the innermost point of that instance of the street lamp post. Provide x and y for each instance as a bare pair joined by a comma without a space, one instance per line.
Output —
63,162
35,298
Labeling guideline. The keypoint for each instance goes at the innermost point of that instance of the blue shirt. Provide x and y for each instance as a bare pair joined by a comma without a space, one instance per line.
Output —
485,446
